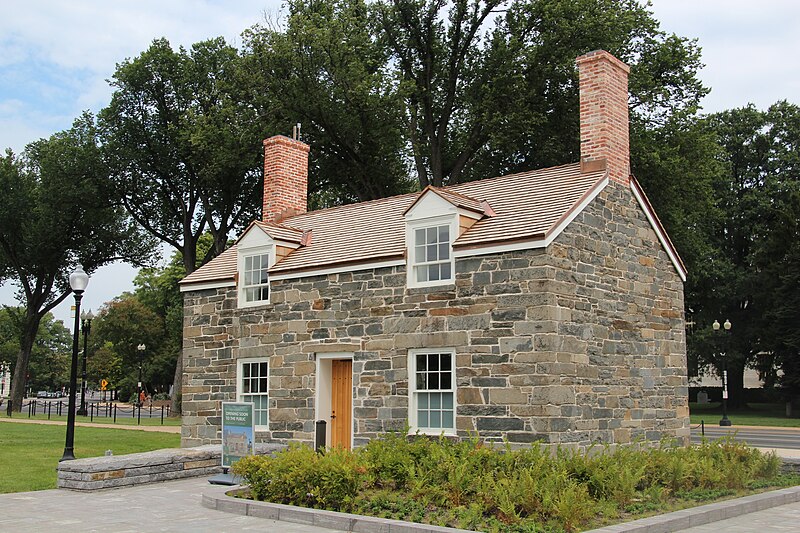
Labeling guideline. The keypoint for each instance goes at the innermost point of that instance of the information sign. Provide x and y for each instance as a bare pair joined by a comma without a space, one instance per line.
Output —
238,432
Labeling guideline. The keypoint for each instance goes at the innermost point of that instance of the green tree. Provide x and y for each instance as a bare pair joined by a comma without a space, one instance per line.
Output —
489,93
776,246
51,353
326,71
120,327
750,278
56,212
104,363
184,143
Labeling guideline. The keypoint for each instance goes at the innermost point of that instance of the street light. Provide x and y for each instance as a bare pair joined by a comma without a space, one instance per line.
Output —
86,326
141,348
724,421
78,281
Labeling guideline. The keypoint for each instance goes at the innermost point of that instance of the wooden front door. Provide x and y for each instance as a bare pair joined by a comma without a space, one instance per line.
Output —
341,402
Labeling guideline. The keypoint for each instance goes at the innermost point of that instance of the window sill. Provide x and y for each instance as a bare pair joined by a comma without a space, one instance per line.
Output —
248,305
433,433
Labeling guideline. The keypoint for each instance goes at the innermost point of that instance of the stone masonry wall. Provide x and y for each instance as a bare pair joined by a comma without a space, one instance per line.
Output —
578,343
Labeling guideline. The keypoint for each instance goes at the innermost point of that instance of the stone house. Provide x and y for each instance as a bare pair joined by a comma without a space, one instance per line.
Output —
540,306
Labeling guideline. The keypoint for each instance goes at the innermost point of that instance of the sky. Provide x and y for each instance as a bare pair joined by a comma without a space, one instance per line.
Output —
56,58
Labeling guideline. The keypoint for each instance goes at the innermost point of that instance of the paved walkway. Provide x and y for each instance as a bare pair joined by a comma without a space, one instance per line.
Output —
783,518
172,506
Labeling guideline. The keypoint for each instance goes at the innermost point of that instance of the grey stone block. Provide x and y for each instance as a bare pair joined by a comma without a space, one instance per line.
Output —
297,515
263,510
232,505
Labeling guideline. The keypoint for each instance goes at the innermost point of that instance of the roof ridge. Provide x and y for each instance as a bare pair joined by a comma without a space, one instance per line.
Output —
532,171
276,225
456,193
333,207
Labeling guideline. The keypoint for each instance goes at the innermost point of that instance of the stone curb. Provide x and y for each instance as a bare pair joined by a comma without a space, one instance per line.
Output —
705,514
665,523
317,517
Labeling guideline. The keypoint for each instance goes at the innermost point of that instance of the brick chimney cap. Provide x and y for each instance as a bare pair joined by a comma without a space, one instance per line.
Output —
597,55
282,139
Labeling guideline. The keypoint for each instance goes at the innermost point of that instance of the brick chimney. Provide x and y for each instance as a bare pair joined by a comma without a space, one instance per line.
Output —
285,178
604,114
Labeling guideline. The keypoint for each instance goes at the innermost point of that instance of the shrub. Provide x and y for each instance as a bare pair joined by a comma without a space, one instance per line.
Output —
470,485
300,476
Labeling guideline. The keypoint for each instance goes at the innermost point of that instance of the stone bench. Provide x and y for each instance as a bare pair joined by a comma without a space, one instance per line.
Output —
94,473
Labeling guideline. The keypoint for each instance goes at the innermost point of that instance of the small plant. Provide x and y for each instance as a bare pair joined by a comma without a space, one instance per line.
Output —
469,485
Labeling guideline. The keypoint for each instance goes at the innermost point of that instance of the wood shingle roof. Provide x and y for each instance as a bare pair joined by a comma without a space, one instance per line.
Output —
526,206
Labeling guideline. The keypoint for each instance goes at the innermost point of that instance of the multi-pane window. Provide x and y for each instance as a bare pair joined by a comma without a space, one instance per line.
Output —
433,392
432,254
253,388
255,286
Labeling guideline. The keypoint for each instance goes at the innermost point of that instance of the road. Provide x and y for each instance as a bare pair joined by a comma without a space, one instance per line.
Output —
758,437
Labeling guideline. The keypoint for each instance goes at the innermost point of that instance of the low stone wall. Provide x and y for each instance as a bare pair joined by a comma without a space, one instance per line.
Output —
790,465
94,473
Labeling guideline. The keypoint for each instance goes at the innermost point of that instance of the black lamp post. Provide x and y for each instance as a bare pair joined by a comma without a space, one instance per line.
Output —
86,326
141,348
78,281
727,326
2,380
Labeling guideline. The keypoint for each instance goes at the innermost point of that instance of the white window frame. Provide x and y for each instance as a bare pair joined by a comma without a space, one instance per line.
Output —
412,392
243,255
412,226
240,394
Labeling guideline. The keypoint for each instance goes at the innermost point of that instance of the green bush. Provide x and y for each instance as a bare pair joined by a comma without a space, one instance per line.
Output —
300,476
467,484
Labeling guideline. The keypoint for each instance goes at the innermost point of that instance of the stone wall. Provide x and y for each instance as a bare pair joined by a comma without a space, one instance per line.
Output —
578,343
95,473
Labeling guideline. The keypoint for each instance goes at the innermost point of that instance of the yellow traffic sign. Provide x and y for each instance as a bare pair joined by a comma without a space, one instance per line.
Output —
103,384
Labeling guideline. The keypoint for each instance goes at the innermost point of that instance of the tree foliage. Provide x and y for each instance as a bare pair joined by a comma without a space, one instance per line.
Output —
326,71
50,356
749,272
56,212
120,327
184,145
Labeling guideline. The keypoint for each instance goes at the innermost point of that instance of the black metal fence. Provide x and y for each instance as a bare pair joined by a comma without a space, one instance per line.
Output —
100,410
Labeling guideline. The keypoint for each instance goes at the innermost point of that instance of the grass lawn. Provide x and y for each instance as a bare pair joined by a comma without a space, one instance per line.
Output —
29,453
755,414
121,421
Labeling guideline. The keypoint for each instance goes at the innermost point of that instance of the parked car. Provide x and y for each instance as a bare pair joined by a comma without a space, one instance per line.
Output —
42,394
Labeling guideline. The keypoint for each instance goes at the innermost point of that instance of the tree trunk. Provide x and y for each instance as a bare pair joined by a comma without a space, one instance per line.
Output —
177,380
20,377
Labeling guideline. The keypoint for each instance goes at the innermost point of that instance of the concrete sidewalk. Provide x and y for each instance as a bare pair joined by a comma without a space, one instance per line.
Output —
783,518
173,506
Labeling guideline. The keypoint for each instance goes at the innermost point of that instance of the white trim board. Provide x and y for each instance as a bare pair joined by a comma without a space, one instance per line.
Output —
337,270
201,286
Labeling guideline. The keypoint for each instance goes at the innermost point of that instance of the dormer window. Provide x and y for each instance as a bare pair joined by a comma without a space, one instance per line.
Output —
255,282
433,221
258,249
432,254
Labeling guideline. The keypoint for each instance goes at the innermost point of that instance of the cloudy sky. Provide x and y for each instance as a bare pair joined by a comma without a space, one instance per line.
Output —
55,58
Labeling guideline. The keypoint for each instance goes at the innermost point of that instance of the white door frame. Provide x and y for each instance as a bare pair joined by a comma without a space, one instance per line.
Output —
322,400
